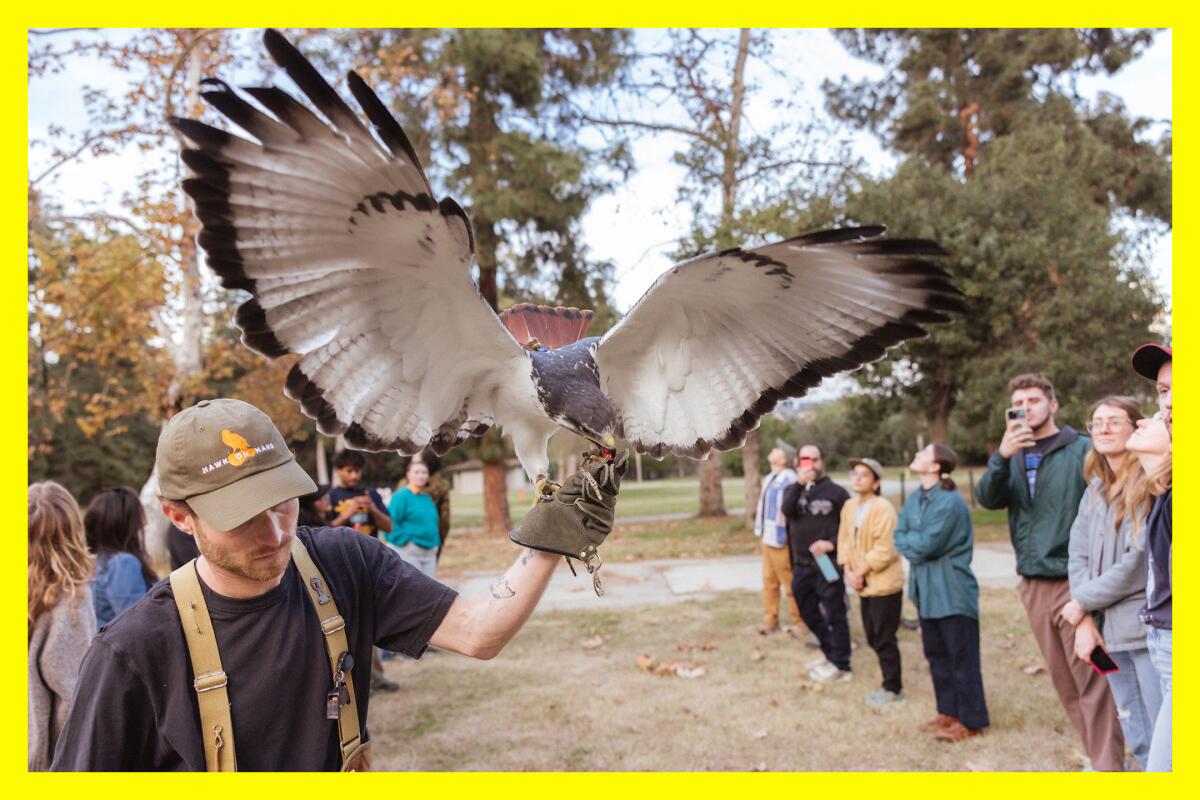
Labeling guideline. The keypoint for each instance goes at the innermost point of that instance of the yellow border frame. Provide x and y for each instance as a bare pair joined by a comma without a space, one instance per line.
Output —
473,13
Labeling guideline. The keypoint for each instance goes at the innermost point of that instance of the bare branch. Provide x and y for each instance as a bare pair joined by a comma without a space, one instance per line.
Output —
661,127
791,162
69,157
54,31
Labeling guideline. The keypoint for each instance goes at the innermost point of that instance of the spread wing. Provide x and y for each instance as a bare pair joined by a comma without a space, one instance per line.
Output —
717,341
351,263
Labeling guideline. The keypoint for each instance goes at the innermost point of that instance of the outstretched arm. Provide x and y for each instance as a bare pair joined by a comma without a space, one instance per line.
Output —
480,626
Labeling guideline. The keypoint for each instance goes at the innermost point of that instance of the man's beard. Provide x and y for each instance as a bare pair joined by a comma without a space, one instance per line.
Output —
246,565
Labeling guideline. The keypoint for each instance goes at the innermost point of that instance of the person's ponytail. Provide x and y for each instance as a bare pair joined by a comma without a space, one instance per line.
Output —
946,460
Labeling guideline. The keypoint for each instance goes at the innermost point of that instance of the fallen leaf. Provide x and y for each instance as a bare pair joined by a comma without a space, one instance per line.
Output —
1006,644
618,701
760,766
553,706
593,643
775,702
690,672
758,654
1034,669
645,662
818,687
762,734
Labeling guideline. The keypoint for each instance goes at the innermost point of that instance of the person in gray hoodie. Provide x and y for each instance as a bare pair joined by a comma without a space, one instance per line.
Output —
62,619
1106,568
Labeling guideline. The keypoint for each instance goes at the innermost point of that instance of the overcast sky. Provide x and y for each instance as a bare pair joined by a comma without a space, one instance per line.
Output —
637,225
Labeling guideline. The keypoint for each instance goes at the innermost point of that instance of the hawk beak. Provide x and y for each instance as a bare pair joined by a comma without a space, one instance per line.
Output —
610,441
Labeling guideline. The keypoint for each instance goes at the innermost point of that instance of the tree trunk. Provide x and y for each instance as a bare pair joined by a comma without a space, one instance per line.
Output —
939,413
154,535
496,519
712,499
750,455
712,495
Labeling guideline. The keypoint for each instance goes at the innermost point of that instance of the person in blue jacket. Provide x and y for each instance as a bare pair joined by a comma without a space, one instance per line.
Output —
113,526
935,534
414,533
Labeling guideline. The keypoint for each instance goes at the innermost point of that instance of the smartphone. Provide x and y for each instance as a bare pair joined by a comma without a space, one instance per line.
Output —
1015,413
827,568
1102,662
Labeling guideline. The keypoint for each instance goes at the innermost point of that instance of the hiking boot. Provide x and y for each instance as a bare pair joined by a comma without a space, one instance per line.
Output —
828,673
957,732
882,697
938,723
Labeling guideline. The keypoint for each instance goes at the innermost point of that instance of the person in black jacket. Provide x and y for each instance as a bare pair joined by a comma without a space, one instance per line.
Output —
813,508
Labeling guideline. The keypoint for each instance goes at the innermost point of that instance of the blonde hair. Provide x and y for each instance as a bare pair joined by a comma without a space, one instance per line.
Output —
59,562
1096,465
1154,483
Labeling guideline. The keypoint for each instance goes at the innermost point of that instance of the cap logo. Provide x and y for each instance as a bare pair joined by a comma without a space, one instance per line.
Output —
241,451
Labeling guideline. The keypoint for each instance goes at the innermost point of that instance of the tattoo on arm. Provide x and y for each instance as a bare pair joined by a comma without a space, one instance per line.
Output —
501,590
528,554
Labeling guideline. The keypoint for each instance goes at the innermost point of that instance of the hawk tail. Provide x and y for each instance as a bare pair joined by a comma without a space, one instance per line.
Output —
552,327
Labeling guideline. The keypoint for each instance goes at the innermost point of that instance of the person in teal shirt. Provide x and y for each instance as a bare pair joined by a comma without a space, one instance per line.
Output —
414,533
934,532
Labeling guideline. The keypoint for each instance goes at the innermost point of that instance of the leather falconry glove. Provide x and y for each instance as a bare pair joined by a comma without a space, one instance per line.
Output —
575,519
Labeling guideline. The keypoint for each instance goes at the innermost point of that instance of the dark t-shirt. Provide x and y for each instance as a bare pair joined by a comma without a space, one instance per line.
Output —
813,511
363,523
134,707
181,546
1033,455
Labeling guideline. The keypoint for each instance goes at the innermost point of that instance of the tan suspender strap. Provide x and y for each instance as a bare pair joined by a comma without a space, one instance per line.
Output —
216,721
354,751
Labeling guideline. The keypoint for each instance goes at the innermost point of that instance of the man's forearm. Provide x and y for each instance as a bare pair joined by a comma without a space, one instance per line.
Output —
481,625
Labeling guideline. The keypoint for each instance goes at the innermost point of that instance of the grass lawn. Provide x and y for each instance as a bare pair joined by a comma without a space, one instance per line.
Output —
637,499
472,551
548,703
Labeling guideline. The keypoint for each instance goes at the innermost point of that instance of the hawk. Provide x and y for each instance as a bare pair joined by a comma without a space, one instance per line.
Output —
333,228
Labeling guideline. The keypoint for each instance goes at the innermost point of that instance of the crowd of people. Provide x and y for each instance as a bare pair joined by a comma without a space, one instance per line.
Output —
1090,522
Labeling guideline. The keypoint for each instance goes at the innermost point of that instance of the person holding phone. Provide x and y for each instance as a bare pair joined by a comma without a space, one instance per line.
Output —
935,533
1107,573
872,567
813,509
1037,474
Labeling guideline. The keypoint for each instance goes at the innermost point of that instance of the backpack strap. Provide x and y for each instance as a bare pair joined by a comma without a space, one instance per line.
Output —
354,751
211,682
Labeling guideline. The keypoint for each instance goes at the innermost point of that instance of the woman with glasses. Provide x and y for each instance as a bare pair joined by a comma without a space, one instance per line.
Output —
1107,571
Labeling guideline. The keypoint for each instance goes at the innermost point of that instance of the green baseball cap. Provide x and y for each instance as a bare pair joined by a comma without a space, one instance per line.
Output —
228,461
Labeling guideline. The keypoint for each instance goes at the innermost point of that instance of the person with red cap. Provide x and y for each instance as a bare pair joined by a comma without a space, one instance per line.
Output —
1151,442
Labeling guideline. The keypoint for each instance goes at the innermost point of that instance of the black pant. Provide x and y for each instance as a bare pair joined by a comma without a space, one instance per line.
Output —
881,619
823,608
952,649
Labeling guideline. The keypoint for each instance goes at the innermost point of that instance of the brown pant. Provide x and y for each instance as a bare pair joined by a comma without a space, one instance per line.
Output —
1083,692
777,572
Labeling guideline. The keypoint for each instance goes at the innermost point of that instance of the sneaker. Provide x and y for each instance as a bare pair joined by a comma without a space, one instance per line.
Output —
384,685
882,697
813,643
764,630
816,662
828,673
909,624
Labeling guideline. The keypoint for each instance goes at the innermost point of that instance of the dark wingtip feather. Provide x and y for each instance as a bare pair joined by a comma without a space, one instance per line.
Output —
386,126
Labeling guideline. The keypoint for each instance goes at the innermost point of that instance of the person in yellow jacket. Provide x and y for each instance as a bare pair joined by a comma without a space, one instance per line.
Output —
866,550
